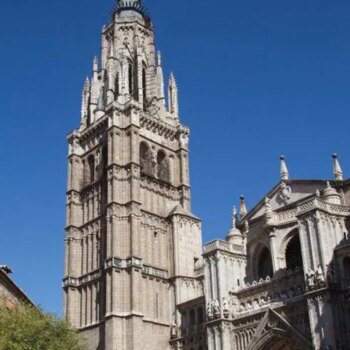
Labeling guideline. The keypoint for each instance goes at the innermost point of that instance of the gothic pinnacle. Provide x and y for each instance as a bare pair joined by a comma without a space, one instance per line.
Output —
100,103
95,64
284,169
243,207
337,170
159,59
173,96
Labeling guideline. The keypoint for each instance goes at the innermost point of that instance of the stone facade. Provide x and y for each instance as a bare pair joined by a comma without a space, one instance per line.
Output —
136,276
133,247
280,280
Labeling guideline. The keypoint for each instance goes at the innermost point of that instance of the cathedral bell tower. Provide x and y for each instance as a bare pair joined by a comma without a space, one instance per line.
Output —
132,244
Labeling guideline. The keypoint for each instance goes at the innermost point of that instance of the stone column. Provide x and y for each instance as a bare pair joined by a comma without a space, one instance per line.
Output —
273,250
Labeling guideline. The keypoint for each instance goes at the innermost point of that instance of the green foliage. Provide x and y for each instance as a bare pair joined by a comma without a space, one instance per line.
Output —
27,328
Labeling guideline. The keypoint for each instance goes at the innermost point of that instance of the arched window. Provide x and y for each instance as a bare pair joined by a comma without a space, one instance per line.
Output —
200,314
131,78
192,317
346,268
293,253
104,164
265,264
144,87
146,161
163,167
116,87
91,170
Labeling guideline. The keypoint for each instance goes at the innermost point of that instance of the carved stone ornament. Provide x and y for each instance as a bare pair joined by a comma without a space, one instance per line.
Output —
285,193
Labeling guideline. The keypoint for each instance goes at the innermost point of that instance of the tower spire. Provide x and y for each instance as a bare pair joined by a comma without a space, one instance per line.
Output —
337,170
284,169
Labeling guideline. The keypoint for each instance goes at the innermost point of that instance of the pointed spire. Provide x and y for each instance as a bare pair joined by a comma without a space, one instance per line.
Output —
243,207
173,97
284,169
95,64
337,170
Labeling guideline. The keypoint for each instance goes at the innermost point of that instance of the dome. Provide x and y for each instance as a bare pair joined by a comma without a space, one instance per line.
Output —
131,8
330,195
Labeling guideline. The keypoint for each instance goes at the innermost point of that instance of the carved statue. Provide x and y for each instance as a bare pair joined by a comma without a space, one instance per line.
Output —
268,211
216,306
331,274
210,310
98,158
225,307
319,276
285,192
310,276
173,330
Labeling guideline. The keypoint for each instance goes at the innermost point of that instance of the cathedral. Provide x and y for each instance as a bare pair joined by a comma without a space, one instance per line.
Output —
137,276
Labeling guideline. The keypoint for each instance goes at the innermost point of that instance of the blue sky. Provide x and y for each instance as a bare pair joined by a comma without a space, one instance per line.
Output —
256,79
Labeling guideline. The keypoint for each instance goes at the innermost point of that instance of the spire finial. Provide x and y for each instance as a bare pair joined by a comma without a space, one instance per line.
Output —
284,169
243,207
337,170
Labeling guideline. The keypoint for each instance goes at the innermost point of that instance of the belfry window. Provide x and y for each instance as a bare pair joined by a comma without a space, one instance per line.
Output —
116,85
146,161
293,253
91,169
144,87
131,78
163,167
346,269
265,264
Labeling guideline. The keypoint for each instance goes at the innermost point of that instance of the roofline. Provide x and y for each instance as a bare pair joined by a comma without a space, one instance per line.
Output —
252,211
16,288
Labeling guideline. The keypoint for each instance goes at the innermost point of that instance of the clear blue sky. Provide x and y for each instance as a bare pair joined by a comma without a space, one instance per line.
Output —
256,79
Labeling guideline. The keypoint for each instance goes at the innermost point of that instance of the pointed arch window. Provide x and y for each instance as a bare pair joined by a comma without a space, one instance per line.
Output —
146,160
116,85
163,167
293,253
265,264
346,269
131,78
144,86
90,171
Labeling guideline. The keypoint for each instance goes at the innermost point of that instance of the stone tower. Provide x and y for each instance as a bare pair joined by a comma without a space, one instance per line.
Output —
133,248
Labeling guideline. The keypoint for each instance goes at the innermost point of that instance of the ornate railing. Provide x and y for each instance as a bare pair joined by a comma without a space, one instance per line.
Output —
317,203
223,245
